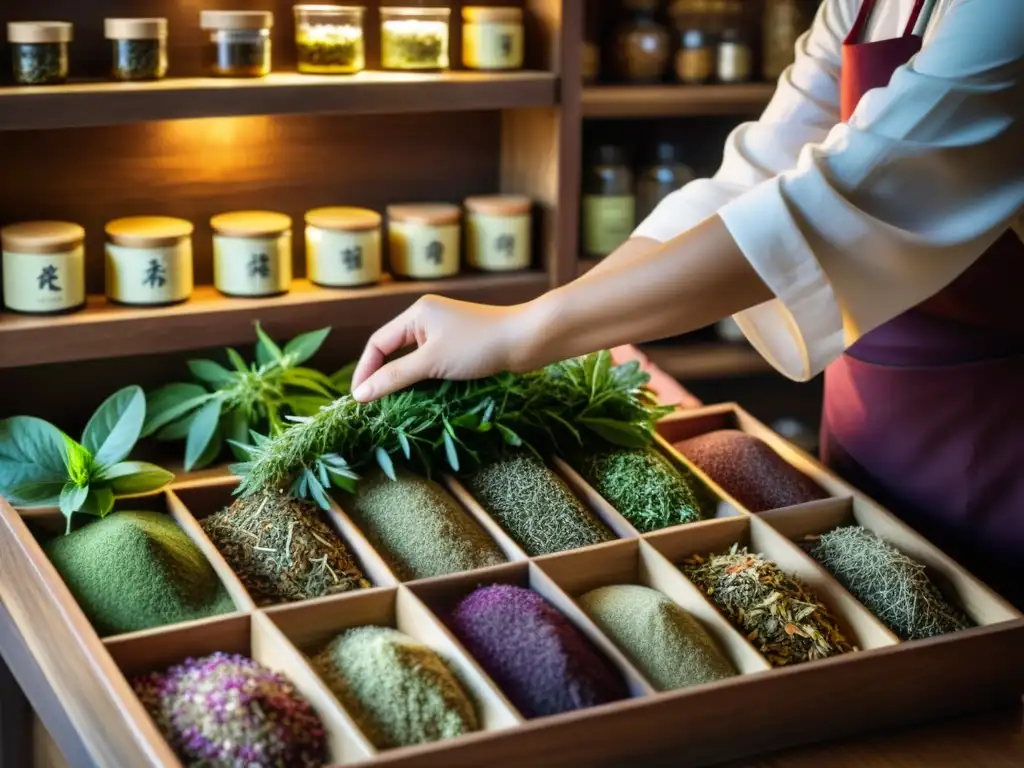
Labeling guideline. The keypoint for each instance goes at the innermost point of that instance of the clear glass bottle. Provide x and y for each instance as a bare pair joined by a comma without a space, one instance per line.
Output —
663,174
734,55
642,45
414,38
139,48
237,43
609,202
329,39
695,57
39,50
492,37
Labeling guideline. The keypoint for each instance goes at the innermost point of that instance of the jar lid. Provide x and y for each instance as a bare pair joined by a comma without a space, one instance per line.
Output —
250,223
479,13
499,205
236,19
329,8
425,213
343,218
41,236
39,32
135,29
416,13
147,231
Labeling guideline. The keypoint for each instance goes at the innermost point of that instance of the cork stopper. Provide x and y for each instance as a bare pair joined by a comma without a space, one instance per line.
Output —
236,20
41,237
476,14
135,29
425,213
250,224
39,32
148,231
343,219
499,205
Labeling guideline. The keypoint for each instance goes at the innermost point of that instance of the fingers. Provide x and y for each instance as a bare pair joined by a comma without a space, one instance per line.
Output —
396,375
388,339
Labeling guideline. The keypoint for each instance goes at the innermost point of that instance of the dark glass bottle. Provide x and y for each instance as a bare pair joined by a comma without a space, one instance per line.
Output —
662,174
642,45
609,205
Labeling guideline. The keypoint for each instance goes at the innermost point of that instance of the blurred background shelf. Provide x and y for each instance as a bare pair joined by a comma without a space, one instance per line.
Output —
690,361
649,101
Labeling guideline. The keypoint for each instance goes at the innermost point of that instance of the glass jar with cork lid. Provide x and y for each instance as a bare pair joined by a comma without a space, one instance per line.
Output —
343,246
237,43
139,48
492,37
423,240
498,232
252,253
39,50
43,267
149,260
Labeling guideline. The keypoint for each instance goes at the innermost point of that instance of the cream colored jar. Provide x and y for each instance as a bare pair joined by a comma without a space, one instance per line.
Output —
149,260
492,38
343,246
44,267
423,240
252,253
498,232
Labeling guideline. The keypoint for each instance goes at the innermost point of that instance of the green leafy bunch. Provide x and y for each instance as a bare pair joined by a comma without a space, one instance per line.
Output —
40,466
456,424
228,404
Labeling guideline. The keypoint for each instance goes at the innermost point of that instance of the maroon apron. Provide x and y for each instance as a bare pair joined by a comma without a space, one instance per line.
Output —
926,412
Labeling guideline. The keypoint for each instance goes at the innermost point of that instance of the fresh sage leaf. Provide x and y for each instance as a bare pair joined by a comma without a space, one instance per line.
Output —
114,429
509,436
267,350
236,431
211,372
237,360
204,427
46,494
403,440
319,495
176,430
385,463
31,451
451,452
304,346
170,403
133,478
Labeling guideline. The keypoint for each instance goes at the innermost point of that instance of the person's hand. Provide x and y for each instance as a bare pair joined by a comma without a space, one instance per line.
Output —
453,339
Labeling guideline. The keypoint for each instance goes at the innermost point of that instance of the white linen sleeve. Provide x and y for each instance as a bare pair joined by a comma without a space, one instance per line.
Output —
891,207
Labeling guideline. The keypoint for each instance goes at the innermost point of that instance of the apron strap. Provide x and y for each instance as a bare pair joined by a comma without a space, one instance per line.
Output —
912,22
867,7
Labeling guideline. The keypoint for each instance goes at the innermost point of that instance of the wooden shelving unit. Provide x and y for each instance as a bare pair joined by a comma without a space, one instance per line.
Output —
651,101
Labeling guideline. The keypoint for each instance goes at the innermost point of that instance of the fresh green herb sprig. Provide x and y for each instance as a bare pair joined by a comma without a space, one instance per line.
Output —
230,404
456,424
40,466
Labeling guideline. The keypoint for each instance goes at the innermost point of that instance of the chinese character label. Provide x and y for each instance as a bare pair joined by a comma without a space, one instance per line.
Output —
506,245
352,258
435,252
259,265
506,45
156,274
48,279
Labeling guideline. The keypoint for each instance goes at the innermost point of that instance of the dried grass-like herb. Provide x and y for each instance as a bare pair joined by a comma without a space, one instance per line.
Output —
646,488
281,551
779,614
894,587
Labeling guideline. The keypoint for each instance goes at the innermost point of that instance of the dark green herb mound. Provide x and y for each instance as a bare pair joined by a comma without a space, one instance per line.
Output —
646,488
418,528
137,570
281,550
534,506
399,691
893,586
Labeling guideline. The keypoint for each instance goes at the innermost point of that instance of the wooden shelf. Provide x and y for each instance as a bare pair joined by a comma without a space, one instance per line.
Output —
706,360
106,103
624,101
208,319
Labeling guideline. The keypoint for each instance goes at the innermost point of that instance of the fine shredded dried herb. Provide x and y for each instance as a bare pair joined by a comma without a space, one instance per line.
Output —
414,45
328,49
281,550
778,613
139,59
40,63
894,587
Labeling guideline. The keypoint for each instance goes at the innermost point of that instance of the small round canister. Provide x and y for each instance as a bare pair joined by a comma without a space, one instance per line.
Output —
43,267
252,253
343,246
149,260
423,240
492,38
498,232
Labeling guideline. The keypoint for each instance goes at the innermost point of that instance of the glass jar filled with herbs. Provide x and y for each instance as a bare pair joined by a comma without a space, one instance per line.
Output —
662,174
695,57
329,39
414,38
139,48
642,45
40,51
237,43
609,205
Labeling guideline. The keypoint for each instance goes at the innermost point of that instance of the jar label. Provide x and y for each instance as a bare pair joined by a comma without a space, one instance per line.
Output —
734,62
149,275
338,259
423,250
608,221
492,45
498,243
51,282
248,266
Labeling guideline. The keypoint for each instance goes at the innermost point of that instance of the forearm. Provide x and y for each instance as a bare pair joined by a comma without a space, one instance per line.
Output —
635,246
683,284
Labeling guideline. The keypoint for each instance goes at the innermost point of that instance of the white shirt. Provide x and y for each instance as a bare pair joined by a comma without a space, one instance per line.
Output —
850,225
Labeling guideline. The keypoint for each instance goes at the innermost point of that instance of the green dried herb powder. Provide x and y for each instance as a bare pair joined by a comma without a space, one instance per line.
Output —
666,643
779,614
646,488
281,550
418,528
893,586
534,506
399,691
40,63
330,49
137,570
414,44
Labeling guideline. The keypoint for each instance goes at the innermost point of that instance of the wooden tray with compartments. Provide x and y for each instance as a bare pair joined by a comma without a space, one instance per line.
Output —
884,684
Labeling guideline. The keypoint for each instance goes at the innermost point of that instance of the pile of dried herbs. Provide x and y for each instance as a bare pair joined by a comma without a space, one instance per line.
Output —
281,550
778,613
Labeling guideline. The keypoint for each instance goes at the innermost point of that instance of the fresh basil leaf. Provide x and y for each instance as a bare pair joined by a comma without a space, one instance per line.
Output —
78,462
211,372
266,350
170,403
616,432
31,451
72,498
131,478
200,435
237,360
99,502
385,463
236,431
304,346
116,425
35,494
